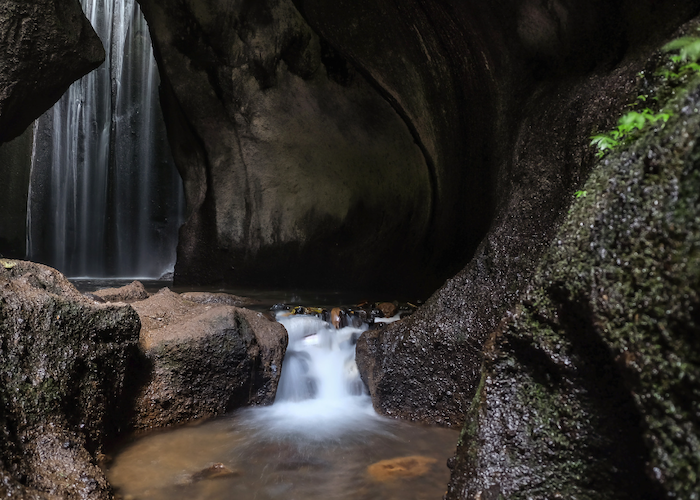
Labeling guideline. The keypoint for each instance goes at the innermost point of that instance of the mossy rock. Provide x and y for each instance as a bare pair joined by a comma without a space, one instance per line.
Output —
591,386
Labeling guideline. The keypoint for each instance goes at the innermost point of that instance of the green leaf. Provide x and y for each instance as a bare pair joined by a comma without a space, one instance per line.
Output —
688,47
630,121
690,67
603,142
581,194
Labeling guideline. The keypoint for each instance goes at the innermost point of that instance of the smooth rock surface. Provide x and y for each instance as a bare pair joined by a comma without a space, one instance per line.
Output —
15,165
291,161
46,46
204,360
64,383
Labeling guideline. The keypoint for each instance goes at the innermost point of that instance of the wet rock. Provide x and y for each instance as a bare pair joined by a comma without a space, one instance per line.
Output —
336,318
45,46
427,366
132,292
388,309
215,471
590,387
204,359
63,383
219,298
401,467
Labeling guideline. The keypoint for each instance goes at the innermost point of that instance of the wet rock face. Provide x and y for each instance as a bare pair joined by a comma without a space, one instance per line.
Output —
590,388
427,366
204,359
291,161
64,362
46,45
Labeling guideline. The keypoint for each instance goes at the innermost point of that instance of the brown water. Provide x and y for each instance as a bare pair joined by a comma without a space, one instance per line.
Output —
235,457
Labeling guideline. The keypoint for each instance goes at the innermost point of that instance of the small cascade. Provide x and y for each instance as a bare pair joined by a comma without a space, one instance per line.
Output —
105,198
320,361
320,394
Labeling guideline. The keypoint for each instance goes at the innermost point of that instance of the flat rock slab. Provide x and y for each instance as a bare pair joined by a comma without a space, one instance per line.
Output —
204,359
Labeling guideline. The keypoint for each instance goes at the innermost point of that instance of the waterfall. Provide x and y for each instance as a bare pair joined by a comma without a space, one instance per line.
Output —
105,198
320,395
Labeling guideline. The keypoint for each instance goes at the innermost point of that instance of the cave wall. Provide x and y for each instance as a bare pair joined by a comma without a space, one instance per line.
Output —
15,162
47,45
589,387
554,83
296,172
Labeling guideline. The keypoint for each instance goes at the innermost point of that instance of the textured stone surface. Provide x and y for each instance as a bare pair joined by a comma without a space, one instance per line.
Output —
204,360
132,292
427,366
63,383
211,298
46,46
290,159
590,389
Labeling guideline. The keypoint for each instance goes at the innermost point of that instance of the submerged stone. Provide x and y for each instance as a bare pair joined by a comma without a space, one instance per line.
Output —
401,467
215,471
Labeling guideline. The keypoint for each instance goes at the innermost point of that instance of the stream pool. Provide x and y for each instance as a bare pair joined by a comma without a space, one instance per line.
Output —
321,439
234,457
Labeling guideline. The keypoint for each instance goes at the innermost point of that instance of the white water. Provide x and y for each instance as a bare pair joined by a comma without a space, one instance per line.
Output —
105,198
320,394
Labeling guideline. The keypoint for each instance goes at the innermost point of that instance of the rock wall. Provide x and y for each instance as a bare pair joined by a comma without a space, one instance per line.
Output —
427,367
296,172
64,391
590,386
15,162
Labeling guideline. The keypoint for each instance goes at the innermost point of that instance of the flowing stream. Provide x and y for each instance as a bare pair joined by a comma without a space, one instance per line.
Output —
321,439
105,198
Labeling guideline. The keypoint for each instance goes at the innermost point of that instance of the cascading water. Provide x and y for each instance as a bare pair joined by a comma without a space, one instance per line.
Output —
320,394
105,198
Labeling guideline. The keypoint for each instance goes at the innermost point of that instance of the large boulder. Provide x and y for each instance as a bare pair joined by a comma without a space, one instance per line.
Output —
46,46
64,390
591,386
204,359
296,171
